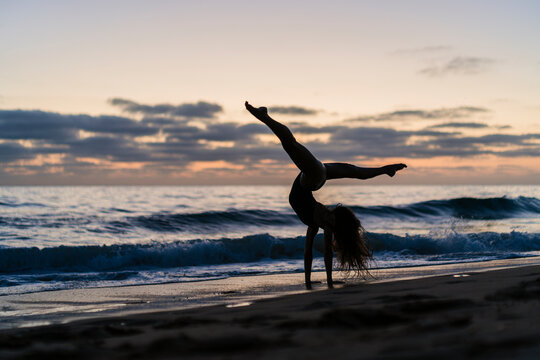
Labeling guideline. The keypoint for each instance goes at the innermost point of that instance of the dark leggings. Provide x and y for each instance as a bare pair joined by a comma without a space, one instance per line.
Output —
314,172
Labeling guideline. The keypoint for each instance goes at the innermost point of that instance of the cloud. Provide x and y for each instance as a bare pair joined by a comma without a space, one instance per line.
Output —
13,151
201,109
418,114
292,110
107,137
109,148
516,145
160,121
41,125
458,125
460,65
110,141
307,129
216,132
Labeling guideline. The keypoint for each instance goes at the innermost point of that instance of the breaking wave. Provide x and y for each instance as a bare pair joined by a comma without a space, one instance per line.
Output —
242,250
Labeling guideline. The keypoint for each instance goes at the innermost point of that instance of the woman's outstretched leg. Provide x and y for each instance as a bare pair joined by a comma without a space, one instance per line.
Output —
314,172
344,170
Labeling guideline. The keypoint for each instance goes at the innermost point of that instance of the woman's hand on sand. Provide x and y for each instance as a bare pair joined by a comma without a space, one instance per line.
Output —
391,170
259,113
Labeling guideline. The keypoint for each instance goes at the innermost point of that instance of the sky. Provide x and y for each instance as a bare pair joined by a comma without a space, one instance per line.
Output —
152,92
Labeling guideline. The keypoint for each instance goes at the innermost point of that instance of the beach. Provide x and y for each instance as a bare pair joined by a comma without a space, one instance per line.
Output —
477,310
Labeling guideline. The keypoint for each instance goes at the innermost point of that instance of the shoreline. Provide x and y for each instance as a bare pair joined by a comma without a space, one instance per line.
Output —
490,313
64,306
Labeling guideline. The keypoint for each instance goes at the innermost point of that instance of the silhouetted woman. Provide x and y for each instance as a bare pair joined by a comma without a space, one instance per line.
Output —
342,230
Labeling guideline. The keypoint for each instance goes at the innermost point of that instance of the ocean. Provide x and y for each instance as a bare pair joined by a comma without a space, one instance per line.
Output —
98,236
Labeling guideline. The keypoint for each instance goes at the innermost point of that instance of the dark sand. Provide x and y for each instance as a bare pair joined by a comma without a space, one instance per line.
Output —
493,314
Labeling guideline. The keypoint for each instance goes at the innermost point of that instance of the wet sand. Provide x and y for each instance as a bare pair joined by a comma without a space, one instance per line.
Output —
489,314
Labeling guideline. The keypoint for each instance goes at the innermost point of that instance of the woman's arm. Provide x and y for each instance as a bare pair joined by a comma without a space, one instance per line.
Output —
308,254
328,254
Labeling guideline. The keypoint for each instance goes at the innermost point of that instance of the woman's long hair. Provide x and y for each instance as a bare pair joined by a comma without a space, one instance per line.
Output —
353,253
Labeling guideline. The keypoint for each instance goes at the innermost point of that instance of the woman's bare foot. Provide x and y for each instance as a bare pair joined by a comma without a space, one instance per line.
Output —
259,113
391,170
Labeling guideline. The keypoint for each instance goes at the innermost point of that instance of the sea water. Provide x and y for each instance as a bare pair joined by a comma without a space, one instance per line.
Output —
95,236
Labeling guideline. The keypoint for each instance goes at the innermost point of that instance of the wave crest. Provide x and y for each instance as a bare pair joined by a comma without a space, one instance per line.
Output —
211,219
246,249
463,208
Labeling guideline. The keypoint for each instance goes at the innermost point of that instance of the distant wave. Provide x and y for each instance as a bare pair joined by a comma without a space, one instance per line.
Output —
465,208
200,222
14,204
246,249
174,222
161,222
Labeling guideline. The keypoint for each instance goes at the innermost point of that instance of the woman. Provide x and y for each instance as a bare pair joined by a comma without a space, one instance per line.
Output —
342,230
